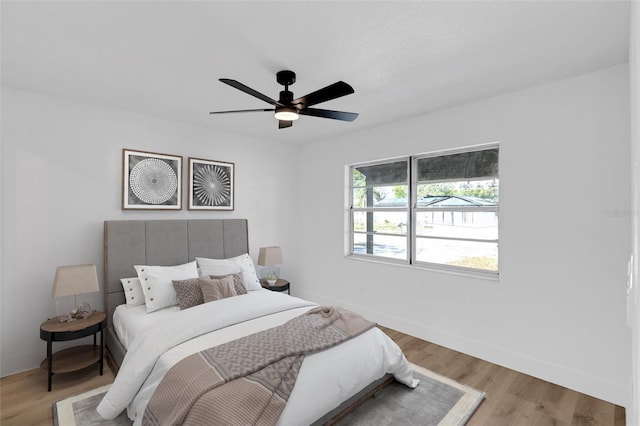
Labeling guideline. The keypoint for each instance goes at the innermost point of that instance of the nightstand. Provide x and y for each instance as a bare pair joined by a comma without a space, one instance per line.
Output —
78,357
280,285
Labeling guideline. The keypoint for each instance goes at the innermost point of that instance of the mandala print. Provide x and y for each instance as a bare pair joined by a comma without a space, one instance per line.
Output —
212,186
153,181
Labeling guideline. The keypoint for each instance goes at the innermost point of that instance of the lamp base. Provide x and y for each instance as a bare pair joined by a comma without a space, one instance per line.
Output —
71,308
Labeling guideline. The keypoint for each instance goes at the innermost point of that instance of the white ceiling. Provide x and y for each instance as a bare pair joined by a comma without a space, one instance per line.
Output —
402,58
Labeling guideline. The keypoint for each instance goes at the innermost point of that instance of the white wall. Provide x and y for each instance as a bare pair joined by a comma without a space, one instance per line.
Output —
558,310
61,178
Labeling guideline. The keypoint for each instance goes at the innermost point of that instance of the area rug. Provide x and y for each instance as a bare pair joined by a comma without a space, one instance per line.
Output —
80,410
438,400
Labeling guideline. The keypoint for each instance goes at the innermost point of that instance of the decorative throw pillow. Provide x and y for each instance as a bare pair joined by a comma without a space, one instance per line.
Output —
188,293
213,289
237,282
157,286
249,276
132,291
216,267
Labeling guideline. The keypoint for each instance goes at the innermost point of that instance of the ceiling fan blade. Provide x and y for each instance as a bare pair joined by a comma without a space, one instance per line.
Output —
250,91
242,110
327,113
333,91
284,124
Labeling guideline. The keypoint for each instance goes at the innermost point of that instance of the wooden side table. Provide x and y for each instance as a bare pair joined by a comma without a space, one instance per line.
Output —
280,285
74,358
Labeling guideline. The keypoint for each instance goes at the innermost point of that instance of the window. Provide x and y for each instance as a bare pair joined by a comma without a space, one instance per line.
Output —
436,210
380,209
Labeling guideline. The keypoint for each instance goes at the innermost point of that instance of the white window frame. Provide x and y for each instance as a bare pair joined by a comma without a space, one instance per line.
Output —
353,210
412,211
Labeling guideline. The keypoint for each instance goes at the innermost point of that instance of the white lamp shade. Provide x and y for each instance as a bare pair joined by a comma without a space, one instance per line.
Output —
75,279
270,256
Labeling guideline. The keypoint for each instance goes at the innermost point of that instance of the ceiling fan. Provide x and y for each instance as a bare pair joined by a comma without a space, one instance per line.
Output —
288,109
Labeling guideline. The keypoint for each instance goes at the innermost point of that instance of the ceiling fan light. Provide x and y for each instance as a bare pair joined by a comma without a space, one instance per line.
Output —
286,114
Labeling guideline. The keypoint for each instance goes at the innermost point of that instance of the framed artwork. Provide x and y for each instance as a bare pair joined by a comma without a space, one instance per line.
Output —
151,181
211,185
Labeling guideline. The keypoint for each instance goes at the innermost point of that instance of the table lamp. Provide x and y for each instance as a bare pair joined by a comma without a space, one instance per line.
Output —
270,256
78,281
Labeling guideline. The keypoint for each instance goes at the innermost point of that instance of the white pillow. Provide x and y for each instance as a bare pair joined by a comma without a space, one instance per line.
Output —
132,291
249,276
157,283
232,265
216,267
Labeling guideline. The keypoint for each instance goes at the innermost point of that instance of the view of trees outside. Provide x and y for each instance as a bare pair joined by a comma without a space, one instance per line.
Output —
486,190
439,227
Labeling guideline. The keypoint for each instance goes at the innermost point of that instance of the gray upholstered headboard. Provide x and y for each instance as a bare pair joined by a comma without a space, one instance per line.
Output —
164,243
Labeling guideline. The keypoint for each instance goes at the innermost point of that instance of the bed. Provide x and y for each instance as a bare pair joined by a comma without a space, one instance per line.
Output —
144,346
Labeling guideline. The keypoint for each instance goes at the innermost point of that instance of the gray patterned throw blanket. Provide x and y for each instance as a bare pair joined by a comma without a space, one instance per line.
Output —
248,381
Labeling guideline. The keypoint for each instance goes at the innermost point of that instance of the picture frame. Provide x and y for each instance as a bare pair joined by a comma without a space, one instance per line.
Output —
151,181
211,185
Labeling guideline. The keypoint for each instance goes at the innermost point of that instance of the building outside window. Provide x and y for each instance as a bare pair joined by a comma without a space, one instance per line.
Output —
437,210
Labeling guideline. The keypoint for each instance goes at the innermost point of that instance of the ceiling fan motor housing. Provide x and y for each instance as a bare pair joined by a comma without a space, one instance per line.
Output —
286,97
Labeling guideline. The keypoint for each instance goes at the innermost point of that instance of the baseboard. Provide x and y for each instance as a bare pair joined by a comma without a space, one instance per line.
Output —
579,381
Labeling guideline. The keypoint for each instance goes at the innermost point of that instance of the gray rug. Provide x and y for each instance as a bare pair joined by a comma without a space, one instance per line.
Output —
80,410
438,400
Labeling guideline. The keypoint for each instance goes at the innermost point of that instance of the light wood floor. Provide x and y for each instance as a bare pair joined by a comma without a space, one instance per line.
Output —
512,399
24,400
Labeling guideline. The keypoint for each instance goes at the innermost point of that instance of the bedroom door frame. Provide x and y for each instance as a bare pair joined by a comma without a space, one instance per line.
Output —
633,302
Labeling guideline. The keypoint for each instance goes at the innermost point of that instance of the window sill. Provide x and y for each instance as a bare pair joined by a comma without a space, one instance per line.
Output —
485,276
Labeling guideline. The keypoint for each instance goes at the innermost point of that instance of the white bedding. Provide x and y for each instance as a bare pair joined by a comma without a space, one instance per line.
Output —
128,322
326,378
